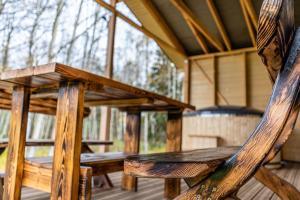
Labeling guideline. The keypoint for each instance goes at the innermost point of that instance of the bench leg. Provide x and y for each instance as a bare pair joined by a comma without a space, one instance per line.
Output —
66,160
16,143
174,138
85,184
1,188
132,146
282,188
103,181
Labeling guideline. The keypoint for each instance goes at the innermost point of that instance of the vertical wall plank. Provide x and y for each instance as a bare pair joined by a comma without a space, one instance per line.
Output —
174,141
69,119
16,144
131,145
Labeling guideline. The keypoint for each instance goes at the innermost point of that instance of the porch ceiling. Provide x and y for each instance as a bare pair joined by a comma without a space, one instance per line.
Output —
166,19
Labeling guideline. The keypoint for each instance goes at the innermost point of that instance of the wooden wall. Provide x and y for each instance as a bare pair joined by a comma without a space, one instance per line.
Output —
236,78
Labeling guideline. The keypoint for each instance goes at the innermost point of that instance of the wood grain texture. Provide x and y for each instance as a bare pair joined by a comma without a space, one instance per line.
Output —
131,145
69,119
186,164
40,143
44,80
16,145
238,169
1,186
173,144
39,177
276,30
282,188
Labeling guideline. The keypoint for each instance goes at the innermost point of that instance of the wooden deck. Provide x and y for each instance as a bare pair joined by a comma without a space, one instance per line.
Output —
152,189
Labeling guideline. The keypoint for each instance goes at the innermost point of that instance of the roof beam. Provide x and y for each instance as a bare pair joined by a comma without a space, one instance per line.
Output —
140,28
252,13
213,10
198,37
155,14
188,14
248,23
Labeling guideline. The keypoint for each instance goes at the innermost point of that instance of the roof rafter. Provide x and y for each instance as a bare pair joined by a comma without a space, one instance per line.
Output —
252,13
248,23
188,14
213,10
162,23
198,37
140,28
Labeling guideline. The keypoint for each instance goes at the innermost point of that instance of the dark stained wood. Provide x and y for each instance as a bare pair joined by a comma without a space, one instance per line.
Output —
69,119
16,145
47,77
186,164
40,178
173,144
131,145
102,163
1,186
36,143
275,33
282,188
238,169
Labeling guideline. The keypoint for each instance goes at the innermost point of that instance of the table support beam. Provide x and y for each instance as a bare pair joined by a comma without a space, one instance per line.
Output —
16,144
132,146
174,141
69,119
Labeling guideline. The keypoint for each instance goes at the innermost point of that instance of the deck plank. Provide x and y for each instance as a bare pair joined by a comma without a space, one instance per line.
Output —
153,189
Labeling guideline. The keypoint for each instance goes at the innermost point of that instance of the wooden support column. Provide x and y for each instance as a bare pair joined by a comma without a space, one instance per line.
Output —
173,144
131,145
187,81
66,161
16,144
215,81
245,79
106,111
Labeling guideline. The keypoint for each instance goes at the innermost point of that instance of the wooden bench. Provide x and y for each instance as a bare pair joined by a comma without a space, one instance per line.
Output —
100,164
38,171
219,173
42,143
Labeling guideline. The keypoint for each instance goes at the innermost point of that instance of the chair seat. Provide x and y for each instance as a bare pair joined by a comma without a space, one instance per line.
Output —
185,164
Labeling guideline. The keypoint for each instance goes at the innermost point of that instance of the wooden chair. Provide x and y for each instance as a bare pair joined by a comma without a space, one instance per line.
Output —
219,173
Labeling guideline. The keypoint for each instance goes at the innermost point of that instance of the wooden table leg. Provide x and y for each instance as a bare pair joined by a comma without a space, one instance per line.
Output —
131,146
66,162
16,143
174,140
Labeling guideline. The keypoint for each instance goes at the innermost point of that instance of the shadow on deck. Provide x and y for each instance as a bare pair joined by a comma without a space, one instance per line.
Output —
152,189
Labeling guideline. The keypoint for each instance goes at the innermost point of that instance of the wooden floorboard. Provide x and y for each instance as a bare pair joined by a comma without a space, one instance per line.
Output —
152,189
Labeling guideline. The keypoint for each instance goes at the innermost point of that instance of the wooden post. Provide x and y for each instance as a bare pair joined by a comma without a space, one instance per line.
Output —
106,111
1,188
173,144
66,162
16,144
131,145
187,81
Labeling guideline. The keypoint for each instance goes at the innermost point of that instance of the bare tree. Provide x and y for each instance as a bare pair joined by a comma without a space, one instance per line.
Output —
59,8
76,22
40,11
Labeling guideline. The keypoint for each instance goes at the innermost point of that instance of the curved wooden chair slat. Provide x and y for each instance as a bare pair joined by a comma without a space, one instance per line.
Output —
240,167
275,33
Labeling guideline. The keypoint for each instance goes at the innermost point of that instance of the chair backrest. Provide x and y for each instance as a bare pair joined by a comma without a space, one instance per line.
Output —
281,112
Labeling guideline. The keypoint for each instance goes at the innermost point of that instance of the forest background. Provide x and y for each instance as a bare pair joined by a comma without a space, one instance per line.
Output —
74,32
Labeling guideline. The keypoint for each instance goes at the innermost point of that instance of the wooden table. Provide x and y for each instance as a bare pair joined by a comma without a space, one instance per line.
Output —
68,93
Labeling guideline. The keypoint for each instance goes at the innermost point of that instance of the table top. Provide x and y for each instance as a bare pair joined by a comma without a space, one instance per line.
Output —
44,82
